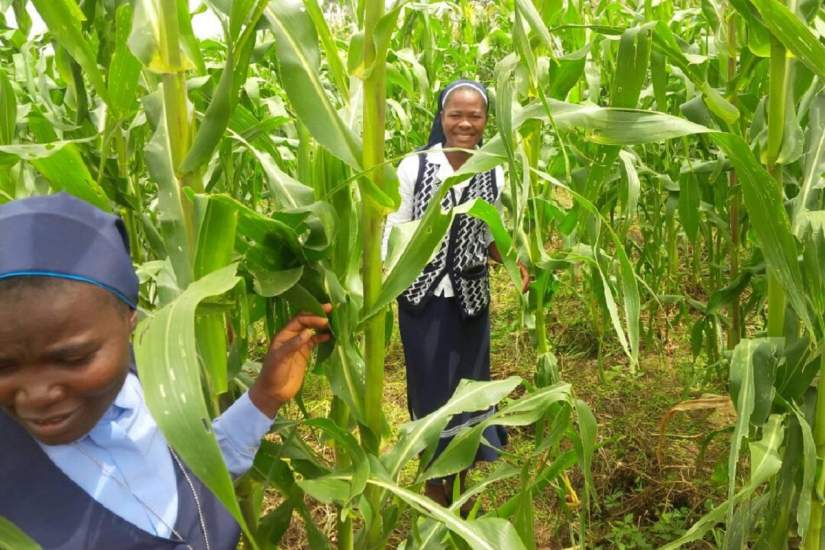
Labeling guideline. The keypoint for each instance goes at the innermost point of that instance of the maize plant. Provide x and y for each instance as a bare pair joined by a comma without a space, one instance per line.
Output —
647,145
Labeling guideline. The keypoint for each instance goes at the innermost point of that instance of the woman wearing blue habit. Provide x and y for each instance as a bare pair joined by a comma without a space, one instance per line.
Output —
84,464
443,317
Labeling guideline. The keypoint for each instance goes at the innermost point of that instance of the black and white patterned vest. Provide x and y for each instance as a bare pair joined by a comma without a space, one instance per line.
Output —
463,253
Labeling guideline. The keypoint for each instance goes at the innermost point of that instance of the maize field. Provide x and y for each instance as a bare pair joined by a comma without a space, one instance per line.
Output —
664,164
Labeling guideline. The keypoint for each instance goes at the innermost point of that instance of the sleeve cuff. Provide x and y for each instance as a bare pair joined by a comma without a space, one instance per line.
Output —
239,431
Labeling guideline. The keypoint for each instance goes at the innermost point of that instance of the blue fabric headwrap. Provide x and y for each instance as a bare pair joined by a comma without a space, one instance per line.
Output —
437,131
63,237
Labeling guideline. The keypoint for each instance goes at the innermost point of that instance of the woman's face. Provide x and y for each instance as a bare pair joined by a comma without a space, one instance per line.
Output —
64,355
463,118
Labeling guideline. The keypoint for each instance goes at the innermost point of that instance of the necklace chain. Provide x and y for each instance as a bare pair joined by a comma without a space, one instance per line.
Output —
124,484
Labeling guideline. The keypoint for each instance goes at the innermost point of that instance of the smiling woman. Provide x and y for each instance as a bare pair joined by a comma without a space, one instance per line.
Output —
443,316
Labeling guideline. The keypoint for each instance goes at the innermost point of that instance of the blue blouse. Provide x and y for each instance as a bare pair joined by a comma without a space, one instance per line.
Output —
124,463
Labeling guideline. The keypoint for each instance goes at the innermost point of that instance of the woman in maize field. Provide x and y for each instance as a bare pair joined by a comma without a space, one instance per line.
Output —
84,463
443,316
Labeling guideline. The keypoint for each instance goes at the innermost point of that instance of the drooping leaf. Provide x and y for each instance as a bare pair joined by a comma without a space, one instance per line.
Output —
62,164
764,201
419,434
166,355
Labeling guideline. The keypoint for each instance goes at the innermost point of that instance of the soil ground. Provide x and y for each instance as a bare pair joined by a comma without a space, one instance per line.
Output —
649,487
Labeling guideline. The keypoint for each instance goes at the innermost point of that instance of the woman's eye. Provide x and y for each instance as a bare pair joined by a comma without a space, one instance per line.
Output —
79,360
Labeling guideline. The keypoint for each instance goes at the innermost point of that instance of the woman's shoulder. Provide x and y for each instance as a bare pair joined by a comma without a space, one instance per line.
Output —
408,167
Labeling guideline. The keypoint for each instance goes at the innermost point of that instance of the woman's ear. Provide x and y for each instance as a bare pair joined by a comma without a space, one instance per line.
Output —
133,319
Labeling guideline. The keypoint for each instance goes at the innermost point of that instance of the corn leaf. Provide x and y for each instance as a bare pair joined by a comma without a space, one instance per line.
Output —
62,164
482,534
124,69
793,33
764,201
461,451
298,55
8,110
214,250
167,360
752,394
421,434
13,538
631,67
814,161
63,17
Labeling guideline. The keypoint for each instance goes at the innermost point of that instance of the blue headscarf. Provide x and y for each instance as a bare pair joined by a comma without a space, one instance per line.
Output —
437,131
66,238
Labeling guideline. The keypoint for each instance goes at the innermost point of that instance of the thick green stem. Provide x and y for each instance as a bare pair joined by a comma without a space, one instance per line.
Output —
178,118
735,331
339,413
812,538
371,226
776,124
372,218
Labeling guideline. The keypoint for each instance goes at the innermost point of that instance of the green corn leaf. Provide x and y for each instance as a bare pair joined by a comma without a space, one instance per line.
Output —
461,451
631,67
124,69
803,511
689,200
8,110
814,161
347,443
297,48
764,201
148,41
336,66
421,434
189,43
63,17
793,33
12,538
665,43
275,283
432,530
215,121
750,391
612,126
528,10
482,534
167,361
62,164
214,250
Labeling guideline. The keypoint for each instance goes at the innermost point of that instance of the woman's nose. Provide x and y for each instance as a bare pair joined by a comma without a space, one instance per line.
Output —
38,393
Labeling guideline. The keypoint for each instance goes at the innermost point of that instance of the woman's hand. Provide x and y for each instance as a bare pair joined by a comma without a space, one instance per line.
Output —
525,277
286,361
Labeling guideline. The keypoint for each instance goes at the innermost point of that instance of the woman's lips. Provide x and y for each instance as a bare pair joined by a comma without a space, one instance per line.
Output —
50,425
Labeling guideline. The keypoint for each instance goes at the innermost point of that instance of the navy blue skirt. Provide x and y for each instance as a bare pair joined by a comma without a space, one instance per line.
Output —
441,348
